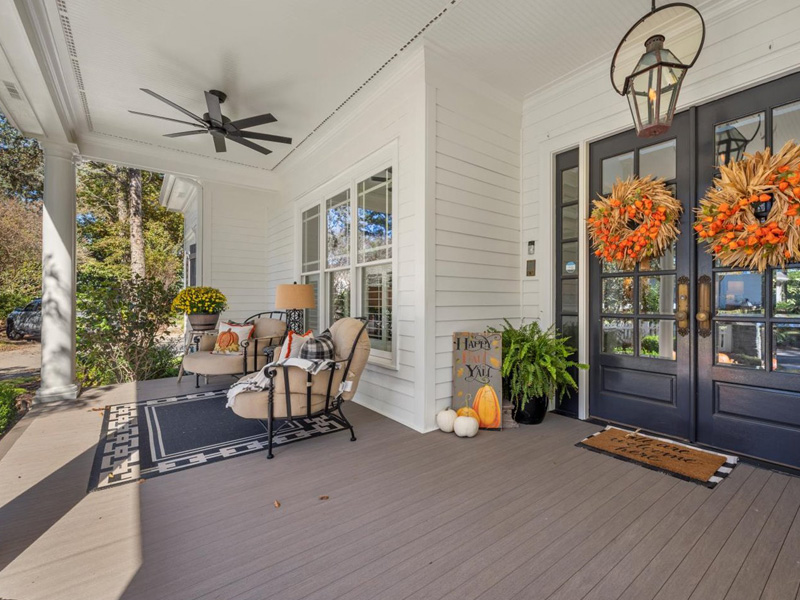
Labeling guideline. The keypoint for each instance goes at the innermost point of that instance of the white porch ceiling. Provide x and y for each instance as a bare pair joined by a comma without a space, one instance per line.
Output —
298,60
301,59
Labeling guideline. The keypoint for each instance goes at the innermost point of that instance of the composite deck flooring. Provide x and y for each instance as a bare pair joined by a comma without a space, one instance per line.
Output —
516,514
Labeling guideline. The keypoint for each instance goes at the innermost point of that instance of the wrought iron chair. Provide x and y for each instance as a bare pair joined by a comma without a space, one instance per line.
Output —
296,393
269,332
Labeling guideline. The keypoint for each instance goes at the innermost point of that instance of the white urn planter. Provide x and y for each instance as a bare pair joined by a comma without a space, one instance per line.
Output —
445,420
465,426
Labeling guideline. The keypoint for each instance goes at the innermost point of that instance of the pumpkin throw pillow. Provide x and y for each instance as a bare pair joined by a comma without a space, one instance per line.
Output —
230,338
294,343
319,348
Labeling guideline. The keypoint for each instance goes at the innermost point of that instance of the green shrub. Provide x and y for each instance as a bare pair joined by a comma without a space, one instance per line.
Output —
120,330
8,403
11,300
650,344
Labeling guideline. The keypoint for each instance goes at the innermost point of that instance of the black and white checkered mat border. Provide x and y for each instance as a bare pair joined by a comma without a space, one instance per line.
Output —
118,458
721,473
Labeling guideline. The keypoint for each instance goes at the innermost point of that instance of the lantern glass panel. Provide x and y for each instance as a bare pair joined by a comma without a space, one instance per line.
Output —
735,138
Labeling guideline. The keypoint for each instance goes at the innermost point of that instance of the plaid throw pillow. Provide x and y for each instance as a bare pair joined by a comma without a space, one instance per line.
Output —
318,348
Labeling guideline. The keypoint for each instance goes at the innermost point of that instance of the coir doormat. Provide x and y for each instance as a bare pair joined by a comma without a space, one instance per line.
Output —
156,437
701,466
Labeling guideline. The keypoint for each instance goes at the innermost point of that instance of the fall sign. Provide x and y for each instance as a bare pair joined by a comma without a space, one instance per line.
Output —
477,377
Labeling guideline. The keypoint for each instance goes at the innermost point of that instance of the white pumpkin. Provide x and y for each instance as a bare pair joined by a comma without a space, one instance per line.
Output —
445,419
465,426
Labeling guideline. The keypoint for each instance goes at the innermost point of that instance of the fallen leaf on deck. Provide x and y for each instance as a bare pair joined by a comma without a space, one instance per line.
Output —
324,498
277,504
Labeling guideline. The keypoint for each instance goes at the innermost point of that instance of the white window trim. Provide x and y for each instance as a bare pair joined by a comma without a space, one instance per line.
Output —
383,158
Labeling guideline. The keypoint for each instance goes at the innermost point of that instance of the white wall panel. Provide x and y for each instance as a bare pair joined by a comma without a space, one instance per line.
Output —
477,214
234,246
394,114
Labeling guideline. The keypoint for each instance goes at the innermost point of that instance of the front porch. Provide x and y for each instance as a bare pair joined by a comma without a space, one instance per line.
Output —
408,516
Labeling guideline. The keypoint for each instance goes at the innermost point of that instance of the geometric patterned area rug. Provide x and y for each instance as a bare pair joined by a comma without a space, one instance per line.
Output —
155,437
679,460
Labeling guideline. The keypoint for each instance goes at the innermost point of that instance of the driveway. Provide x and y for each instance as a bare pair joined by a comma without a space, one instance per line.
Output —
19,359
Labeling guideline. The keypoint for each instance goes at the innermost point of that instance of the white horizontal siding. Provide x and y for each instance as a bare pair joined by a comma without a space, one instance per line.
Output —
477,220
394,114
235,246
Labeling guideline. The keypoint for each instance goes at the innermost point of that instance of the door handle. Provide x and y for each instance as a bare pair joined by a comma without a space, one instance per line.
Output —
682,314
703,315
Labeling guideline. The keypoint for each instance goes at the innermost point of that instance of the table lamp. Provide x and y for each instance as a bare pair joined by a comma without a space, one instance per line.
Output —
294,298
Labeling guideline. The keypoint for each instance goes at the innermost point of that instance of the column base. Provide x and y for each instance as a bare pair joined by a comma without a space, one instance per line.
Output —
66,392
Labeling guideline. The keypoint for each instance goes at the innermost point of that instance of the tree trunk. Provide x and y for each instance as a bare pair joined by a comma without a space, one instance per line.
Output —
135,218
122,185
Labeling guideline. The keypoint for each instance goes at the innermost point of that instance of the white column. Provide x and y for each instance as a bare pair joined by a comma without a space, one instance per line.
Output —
58,276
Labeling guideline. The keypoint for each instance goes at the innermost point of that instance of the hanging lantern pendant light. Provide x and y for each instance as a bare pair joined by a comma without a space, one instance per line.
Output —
652,84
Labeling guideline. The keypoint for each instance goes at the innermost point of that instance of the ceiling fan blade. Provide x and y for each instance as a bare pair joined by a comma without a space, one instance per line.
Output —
253,121
219,142
136,112
264,136
183,133
173,105
214,110
249,144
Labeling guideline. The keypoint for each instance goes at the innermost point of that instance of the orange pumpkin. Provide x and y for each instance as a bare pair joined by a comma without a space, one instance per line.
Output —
466,411
487,406
227,339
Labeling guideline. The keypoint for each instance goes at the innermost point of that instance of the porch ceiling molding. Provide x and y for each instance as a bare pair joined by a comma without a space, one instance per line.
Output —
55,22
30,97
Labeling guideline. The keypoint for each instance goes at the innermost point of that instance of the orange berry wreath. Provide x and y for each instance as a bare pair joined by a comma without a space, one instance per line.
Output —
638,220
727,219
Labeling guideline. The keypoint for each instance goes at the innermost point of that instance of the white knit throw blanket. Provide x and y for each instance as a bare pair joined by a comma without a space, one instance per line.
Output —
260,382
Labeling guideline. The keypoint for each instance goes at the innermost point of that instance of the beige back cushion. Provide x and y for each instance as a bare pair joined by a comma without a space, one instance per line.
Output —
344,333
266,327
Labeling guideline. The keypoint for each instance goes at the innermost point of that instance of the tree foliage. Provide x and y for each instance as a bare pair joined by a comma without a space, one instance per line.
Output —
104,225
21,164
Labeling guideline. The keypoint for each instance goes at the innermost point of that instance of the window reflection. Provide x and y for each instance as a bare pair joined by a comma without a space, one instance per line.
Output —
785,124
616,167
740,344
657,339
338,230
657,294
786,292
338,294
375,217
658,160
734,138
312,314
739,293
618,295
786,347
618,336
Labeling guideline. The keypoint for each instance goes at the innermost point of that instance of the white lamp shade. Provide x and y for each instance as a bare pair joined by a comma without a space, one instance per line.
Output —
290,296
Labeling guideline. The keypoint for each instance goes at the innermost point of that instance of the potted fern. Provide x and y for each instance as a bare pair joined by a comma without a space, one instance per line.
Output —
536,368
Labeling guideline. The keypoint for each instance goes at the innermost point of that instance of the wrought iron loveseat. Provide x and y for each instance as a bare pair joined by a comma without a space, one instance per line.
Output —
269,332
294,392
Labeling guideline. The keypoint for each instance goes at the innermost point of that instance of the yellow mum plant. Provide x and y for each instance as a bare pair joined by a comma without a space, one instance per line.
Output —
199,300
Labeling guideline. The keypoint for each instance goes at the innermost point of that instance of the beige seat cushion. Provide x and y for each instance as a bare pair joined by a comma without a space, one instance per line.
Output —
205,363
269,328
254,405
344,333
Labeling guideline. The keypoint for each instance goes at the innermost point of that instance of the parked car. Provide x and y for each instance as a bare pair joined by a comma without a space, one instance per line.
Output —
25,321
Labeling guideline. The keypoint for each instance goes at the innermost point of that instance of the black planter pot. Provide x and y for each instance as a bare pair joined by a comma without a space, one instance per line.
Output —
533,413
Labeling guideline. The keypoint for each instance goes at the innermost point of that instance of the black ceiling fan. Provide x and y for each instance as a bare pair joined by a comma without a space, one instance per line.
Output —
219,126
